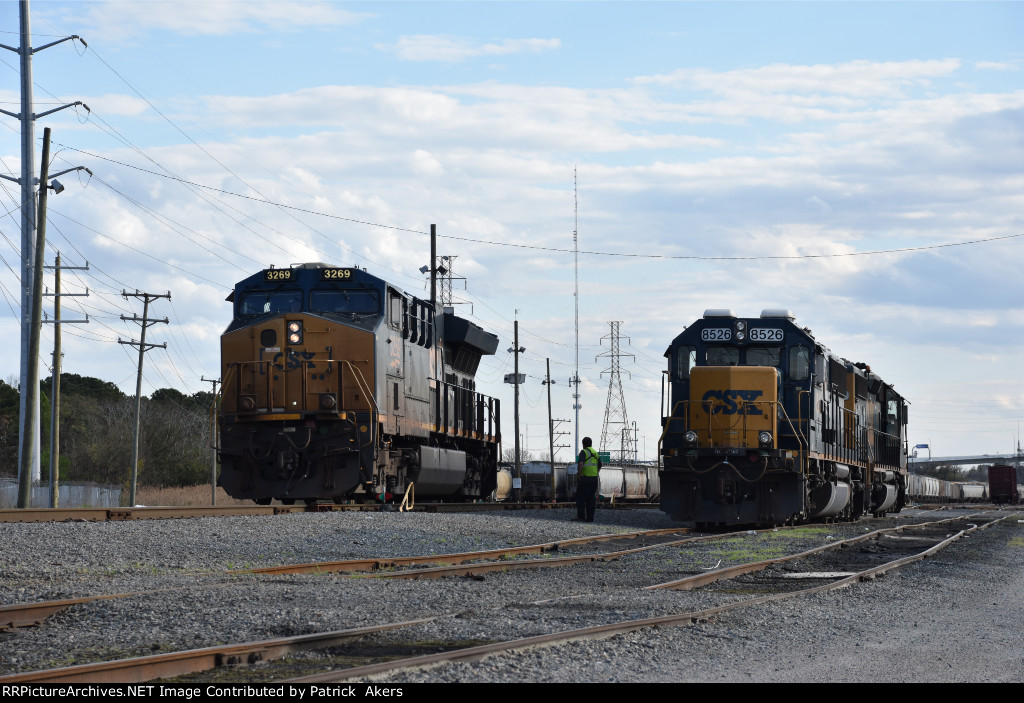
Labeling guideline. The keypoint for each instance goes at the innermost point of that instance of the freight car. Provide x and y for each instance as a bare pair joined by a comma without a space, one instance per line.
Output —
970,492
616,483
337,385
1002,482
924,489
764,425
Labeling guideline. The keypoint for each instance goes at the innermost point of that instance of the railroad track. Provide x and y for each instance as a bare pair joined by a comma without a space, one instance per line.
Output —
890,548
181,512
22,615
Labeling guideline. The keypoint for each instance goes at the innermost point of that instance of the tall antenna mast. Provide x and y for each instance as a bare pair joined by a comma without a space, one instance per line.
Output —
576,298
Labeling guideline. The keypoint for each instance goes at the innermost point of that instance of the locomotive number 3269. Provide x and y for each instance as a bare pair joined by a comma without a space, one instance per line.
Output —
335,274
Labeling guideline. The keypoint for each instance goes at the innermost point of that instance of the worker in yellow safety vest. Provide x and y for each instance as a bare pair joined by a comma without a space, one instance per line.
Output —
588,466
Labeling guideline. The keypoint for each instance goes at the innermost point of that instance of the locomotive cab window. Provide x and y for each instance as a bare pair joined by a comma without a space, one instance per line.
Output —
338,299
799,363
763,356
723,356
396,308
272,300
686,359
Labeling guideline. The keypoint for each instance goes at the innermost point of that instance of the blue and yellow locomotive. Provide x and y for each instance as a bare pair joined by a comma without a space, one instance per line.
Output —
765,426
337,385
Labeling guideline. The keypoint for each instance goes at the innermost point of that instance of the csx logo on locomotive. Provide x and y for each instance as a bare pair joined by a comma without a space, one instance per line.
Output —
288,360
731,402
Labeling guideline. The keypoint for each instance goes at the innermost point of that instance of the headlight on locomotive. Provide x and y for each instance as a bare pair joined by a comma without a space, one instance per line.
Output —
247,403
690,438
328,401
295,332
764,439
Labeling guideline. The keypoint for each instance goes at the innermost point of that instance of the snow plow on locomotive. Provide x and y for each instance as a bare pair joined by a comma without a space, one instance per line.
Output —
337,386
765,426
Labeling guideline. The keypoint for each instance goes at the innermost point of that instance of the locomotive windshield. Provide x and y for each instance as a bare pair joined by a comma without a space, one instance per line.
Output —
273,300
763,356
752,356
723,356
358,301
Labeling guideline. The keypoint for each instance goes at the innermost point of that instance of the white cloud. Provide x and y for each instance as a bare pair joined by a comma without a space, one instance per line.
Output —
859,79
448,49
996,66
114,18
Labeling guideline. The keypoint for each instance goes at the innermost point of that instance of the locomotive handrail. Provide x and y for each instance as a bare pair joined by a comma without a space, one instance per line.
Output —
468,408
305,364
360,381
364,387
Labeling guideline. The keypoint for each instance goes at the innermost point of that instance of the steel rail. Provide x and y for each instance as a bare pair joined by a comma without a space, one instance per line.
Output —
32,614
605,631
139,669
484,567
160,666
379,563
174,512
147,513
459,569
730,572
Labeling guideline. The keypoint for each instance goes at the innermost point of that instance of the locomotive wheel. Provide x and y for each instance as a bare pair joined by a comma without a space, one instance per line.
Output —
262,501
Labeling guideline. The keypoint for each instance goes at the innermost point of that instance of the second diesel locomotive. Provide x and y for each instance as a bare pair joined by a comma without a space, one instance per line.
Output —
337,385
765,426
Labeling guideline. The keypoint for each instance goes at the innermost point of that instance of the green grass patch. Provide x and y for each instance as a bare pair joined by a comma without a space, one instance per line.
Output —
798,533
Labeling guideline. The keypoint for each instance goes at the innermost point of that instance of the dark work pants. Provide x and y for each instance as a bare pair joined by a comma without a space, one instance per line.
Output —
586,498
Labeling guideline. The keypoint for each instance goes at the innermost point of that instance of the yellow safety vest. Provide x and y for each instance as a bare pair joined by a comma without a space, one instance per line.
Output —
589,467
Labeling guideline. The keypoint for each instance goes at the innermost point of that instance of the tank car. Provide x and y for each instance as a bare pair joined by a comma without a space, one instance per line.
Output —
629,483
764,426
338,386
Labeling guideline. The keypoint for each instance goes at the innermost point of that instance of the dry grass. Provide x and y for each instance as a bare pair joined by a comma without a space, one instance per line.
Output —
187,495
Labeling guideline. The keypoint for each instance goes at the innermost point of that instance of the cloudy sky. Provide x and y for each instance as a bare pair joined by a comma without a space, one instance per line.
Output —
860,164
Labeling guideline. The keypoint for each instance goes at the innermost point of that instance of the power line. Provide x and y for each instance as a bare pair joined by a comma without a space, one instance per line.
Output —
559,250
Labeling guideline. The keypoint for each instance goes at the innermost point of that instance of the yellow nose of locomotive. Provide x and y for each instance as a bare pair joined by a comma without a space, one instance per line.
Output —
734,406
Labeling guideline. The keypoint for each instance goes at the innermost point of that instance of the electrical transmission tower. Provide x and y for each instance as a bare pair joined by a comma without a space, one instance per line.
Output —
615,427
446,273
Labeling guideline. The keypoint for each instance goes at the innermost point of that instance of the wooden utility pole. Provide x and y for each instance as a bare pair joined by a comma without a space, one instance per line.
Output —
55,377
551,436
145,321
517,476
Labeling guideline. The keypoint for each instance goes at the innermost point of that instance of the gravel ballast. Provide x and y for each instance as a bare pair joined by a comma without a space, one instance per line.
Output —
952,617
